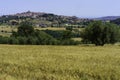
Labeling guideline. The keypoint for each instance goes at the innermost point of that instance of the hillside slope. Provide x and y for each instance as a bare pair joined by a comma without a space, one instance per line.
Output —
43,19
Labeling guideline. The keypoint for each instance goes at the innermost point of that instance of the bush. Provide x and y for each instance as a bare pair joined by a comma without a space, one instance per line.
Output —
45,38
13,40
66,35
55,34
32,40
22,40
4,40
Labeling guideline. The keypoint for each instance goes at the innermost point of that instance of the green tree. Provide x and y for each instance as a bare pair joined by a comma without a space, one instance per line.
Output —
44,38
100,33
70,28
66,35
25,29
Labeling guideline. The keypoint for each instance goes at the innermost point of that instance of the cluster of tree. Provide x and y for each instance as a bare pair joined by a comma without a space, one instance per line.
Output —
27,35
12,20
62,34
100,33
63,21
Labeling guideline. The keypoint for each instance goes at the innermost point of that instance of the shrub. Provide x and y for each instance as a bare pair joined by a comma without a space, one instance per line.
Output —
4,40
32,40
70,28
13,40
22,40
66,35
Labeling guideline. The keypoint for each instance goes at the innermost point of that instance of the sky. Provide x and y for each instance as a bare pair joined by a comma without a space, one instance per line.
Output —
79,8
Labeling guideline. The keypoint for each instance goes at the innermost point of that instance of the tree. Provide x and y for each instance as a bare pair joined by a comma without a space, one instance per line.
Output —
66,35
100,33
14,22
69,28
45,38
25,29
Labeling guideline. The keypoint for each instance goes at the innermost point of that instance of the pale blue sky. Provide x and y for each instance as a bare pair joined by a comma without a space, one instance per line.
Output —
80,8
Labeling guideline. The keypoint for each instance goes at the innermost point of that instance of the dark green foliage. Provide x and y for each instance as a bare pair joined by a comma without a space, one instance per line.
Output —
59,34
13,40
4,40
117,21
39,38
44,38
56,34
22,40
31,40
25,29
111,33
100,33
69,28
62,34
76,34
66,35
27,35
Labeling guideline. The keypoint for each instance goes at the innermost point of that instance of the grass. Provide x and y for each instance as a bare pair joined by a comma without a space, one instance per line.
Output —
77,39
7,30
20,62
14,28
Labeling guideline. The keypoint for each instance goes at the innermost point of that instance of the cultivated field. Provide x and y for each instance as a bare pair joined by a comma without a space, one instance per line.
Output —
7,30
18,62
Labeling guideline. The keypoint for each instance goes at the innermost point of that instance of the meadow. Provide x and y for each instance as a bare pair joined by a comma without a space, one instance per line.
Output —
30,62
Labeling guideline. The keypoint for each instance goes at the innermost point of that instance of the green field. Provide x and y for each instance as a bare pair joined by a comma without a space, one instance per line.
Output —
20,62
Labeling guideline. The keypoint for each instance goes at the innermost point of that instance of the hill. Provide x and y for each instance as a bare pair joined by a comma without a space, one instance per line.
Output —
107,18
41,19
116,21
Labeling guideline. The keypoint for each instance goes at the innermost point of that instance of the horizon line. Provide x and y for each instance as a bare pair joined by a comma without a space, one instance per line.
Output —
1,14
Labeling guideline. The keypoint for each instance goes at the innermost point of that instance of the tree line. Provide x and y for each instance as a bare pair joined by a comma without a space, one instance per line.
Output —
26,34
97,32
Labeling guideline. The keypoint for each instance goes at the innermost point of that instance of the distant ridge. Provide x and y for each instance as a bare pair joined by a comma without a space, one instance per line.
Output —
41,19
36,14
28,14
107,18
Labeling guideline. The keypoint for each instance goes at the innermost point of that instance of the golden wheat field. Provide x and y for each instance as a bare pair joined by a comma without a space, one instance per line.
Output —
20,62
